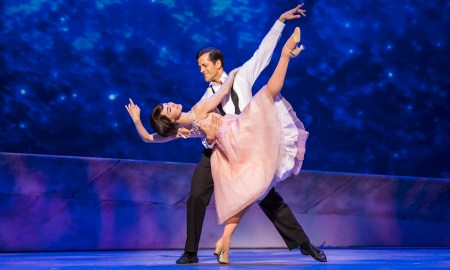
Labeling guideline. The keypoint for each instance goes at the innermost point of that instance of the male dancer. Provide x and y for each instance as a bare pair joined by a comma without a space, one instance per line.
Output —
211,62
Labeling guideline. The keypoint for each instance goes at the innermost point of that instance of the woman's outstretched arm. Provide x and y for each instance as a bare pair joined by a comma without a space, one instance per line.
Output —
204,106
135,114
151,138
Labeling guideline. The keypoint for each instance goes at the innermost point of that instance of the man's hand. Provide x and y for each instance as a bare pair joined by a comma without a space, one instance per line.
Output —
211,129
293,13
134,111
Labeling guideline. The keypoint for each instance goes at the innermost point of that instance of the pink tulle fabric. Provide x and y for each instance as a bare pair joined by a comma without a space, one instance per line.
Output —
263,145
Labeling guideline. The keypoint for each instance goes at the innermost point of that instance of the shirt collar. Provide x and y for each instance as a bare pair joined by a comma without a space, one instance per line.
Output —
222,79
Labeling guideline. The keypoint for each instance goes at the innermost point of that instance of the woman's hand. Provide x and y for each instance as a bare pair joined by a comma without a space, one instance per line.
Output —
234,72
134,111
228,83
294,13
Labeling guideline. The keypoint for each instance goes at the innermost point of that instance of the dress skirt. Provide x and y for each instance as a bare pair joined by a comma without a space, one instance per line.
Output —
254,150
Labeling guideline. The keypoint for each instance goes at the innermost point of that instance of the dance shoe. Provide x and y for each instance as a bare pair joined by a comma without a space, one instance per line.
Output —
218,251
291,44
221,259
309,249
219,248
187,259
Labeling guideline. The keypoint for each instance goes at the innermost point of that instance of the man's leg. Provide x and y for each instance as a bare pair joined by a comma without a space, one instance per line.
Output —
273,205
283,219
287,225
202,187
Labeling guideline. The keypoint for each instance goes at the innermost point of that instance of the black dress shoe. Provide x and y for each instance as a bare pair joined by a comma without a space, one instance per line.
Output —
304,252
187,259
313,251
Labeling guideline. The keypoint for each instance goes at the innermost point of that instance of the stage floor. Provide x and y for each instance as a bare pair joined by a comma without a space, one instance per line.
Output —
375,258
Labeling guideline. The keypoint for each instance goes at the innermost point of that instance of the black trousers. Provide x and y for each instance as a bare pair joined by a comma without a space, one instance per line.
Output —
202,188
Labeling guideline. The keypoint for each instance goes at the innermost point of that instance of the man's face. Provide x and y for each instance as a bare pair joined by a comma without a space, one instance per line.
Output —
210,71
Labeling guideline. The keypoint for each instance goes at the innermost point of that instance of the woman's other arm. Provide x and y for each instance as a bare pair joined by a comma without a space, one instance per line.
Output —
135,113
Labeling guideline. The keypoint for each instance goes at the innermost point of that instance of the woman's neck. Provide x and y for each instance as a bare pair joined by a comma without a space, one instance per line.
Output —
184,120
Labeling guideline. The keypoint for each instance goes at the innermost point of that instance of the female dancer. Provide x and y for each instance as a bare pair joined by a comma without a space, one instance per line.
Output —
254,150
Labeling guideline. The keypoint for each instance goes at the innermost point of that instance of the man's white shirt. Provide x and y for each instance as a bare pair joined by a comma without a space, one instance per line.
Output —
248,73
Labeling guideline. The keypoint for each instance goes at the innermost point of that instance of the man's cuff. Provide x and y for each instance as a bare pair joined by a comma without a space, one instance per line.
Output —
278,26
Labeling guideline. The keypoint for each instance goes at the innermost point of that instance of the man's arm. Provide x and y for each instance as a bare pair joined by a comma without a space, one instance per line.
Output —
251,69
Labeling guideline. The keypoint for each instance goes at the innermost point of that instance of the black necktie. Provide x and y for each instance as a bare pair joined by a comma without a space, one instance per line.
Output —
234,98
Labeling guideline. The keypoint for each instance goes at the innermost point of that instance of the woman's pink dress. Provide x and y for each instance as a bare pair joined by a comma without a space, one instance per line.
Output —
254,150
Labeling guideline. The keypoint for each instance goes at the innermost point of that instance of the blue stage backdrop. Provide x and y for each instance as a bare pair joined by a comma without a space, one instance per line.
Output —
372,86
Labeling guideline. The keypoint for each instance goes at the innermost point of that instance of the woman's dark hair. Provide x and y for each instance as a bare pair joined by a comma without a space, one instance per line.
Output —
214,55
161,124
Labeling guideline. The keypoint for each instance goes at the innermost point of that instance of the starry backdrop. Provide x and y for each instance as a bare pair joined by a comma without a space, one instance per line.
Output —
372,86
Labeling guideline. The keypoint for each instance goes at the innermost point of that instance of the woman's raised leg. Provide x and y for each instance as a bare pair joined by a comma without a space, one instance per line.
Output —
290,50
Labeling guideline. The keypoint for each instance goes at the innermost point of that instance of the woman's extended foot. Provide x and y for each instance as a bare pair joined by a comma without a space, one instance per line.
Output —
222,257
291,49
219,247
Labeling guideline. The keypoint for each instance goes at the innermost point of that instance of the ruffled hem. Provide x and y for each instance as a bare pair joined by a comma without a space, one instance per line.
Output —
294,140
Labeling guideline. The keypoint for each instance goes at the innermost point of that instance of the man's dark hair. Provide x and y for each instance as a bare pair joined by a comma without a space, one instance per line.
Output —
161,124
214,55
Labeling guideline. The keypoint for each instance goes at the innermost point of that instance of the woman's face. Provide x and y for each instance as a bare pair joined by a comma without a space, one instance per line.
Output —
172,110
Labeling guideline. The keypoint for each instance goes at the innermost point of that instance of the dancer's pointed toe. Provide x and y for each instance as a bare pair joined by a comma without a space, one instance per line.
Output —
291,47
297,35
221,259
